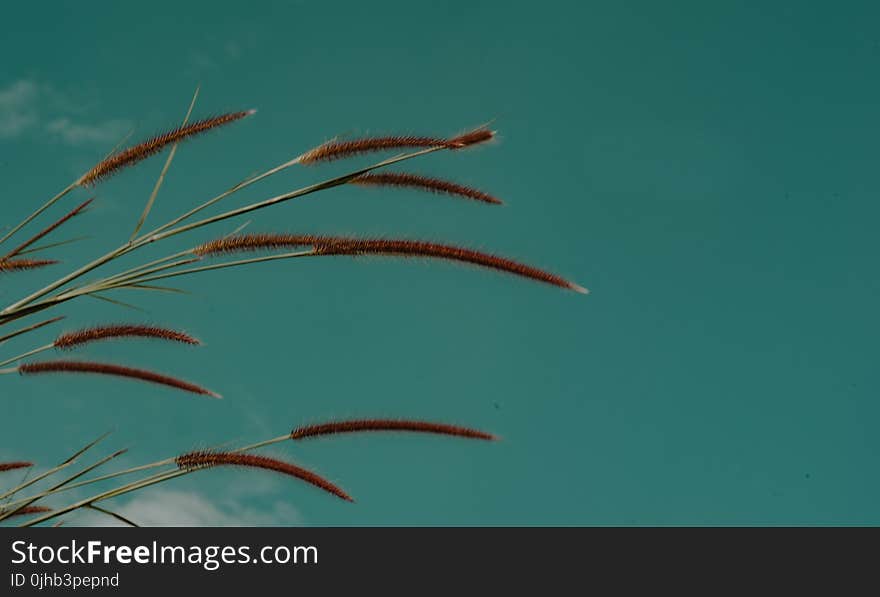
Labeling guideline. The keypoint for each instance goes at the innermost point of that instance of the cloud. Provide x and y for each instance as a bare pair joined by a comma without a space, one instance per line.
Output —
215,58
27,106
17,110
172,508
74,133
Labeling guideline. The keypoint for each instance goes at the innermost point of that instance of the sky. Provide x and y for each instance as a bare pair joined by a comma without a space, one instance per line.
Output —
707,170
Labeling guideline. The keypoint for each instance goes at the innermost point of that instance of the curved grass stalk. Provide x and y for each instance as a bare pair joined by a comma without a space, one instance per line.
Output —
153,237
162,174
143,467
112,514
30,328
56,198
55,469
25,355
38,212
11,511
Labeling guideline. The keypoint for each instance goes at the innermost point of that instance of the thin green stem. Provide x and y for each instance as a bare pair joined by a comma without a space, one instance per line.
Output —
7,513
327,184
29,328
162,174
55,469
39,211
206,268
27,354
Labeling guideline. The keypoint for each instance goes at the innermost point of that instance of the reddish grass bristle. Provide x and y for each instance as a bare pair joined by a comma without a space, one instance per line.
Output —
335,245
424,183
337,150
132,155
49,229
11,466
203,459
114,371
25,510
116,331
17,265
474,137
359,425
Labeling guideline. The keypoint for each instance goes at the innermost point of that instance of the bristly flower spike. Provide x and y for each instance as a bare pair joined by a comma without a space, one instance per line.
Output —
205,459
17,265
337,150
112,370
423,183
374,425
336,245
116,331
11,466
132,155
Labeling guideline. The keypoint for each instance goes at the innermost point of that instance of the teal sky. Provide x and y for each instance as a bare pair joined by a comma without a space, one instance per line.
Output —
708,170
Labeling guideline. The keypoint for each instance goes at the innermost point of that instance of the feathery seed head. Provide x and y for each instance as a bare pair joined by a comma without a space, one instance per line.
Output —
11,466
114,371
361,425
335,245
424,183
206,459
115,331
132,155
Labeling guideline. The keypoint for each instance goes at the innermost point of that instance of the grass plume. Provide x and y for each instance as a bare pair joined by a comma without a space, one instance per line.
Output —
362,425
117,331
203,459
11,466
337,150
474,137
423,183
132,155
338,245
115,371
17,265
26,510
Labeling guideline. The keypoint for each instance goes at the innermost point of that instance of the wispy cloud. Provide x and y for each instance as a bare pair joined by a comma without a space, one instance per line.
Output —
172,508
215,58
74,133
28,107
17,108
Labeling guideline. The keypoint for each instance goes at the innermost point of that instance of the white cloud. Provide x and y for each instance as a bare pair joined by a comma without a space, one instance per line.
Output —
215,58
74,133
17,108
172,508
27,106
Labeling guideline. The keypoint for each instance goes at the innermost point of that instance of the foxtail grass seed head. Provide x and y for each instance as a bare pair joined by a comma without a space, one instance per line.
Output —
337,150
26,510
89,367
205,459
341,149
471,138
118,331
132,155
336,245
17,265
423,183
51,228
11,466
373,425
